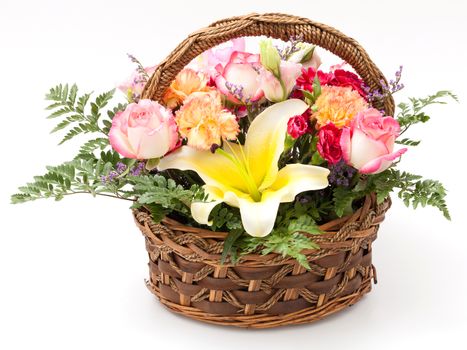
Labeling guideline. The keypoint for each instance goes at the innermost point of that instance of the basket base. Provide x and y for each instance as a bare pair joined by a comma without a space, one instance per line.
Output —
262,321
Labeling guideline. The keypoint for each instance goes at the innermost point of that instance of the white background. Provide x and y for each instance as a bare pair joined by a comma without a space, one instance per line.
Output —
71,273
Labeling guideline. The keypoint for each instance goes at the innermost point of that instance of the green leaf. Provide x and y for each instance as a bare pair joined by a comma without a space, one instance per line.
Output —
270,58
82,102
60,112
412,189
232,237
307,51
316,86
408,142
152,163
164,192
78,116
304,223
89,147
411,113
316,159
343,198
77,176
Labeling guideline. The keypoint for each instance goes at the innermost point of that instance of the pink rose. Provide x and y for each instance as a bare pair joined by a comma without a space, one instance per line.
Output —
275,89
368,144
144,130
297,126
134,85
209,59
239,79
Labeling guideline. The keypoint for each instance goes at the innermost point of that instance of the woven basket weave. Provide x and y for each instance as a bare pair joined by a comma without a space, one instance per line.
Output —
262,291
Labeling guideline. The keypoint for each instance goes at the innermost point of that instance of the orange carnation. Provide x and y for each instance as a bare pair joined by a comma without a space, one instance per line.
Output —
203,120
338,105
187,82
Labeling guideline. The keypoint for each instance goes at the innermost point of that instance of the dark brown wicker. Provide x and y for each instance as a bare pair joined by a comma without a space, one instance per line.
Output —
261,291
270,290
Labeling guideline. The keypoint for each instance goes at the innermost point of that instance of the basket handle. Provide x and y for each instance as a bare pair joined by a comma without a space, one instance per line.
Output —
279,26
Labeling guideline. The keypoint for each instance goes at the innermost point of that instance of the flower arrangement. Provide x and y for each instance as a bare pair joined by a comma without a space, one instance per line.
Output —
264,145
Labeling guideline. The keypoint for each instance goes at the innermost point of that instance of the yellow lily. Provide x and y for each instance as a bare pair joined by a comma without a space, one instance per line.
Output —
247,176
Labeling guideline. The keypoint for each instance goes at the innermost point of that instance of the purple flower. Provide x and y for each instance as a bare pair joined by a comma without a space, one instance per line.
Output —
137,169
121,167
386,88
341,174
235,90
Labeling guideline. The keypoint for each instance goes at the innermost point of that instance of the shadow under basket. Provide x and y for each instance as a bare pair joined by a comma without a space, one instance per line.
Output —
261,291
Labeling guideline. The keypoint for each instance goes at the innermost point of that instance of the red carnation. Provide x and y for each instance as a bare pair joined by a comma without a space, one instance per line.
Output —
305,81
338,77
346,78
297,126
329,143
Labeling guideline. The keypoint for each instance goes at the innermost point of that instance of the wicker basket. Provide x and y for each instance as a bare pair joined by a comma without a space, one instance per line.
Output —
262,291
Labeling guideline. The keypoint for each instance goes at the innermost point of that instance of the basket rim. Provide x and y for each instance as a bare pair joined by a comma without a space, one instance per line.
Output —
203,245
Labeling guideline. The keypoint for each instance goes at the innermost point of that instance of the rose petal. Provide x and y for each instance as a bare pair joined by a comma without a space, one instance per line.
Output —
346,144
380,164
118,139
364,149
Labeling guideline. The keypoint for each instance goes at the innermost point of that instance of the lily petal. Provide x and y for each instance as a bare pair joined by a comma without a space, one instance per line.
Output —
296,178
265,140
258,218
215,169
201,210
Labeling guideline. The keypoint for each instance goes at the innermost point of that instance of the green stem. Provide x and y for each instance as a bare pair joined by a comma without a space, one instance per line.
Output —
99,194
249,114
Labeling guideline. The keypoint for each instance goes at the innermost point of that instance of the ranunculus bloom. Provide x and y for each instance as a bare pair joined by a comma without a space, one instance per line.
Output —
186,82
329,143
203,120
144,130
273,90
239,79
134,85
338,105
297,126
368,144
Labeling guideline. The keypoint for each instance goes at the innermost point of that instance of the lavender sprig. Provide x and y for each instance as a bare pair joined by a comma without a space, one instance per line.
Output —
137,169
387,89
235,90
139,68
122,170
291,47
